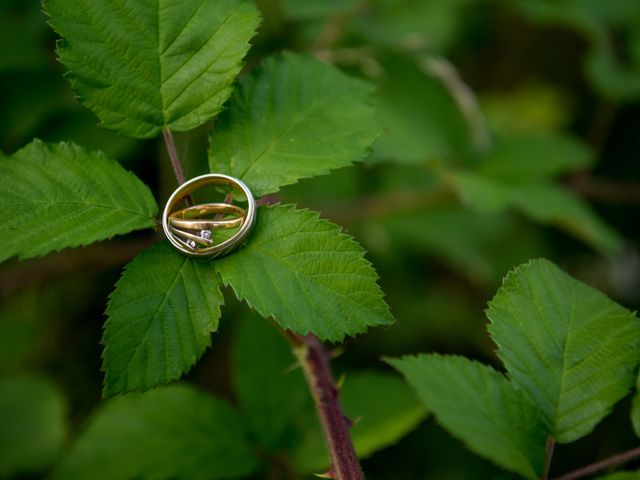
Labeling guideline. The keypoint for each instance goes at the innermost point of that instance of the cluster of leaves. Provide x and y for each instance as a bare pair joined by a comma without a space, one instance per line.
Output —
165,306
570,354
143,69
517,171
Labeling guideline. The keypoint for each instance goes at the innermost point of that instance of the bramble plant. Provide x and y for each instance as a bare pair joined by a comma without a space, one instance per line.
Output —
301,284
148,71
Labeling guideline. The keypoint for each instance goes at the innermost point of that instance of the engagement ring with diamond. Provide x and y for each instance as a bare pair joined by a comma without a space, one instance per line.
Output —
194,230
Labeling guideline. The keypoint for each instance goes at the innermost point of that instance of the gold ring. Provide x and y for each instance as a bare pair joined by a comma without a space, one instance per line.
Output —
189,217
192,235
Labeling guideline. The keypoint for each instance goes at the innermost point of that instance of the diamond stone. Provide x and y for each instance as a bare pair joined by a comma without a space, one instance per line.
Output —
191,243
206,234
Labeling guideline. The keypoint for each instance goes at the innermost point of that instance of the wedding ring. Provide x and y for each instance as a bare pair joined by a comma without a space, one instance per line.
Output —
188,218
193,234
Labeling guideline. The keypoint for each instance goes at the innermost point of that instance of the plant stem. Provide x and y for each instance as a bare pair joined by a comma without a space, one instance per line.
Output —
175,160
315,361
608,191
173,155
551,443
614,461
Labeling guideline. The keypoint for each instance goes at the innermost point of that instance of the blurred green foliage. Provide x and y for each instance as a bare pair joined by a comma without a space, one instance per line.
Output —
510,132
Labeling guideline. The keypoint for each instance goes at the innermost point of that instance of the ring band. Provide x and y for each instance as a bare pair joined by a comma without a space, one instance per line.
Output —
188,218
183,236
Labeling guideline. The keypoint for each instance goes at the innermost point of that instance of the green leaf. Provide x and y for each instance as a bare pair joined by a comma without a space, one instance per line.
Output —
32,415
544,203
573,350
525,159
553,205
271,391
55,196
517,173
294,117
175,432
481,193
143,66
479,406
377,424
161,316
306,274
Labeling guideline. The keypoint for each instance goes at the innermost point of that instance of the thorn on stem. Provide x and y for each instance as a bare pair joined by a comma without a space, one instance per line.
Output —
329,474
336,352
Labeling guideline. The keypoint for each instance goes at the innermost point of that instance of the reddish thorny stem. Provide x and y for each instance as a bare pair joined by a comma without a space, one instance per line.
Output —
315,361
